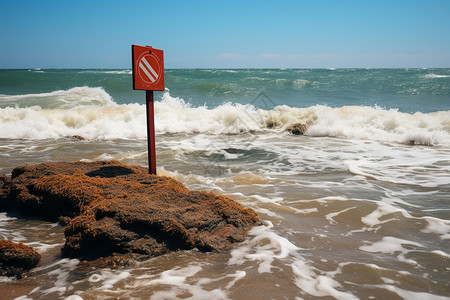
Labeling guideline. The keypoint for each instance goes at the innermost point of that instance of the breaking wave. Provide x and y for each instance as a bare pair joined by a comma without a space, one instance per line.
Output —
77,97
432,75
91,112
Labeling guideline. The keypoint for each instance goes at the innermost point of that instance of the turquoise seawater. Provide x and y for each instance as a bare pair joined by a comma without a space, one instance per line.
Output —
408,90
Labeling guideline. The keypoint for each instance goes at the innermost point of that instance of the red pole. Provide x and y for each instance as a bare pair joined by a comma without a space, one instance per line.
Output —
150,132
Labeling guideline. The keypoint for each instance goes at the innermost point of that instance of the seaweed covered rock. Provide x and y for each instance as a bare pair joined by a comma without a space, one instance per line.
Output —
5,184
16,258
111,208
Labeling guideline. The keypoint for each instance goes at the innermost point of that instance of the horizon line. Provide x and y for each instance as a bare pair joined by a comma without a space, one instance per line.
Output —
224,68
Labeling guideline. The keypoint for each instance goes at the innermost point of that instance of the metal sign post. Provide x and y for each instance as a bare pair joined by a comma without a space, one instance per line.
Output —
150,132
148,75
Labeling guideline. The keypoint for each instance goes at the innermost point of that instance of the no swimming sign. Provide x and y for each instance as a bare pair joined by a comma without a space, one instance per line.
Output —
148,68
148,75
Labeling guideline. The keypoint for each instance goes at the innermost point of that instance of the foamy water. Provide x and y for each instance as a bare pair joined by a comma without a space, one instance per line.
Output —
357,208
98,117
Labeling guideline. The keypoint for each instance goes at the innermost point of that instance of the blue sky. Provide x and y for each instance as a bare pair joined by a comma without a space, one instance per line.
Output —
226,34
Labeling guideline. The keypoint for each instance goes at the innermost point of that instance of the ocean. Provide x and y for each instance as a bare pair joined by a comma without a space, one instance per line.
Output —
358,207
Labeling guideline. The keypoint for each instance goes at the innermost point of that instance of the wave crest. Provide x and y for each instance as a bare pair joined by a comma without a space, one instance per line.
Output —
63,99
92,114
432,75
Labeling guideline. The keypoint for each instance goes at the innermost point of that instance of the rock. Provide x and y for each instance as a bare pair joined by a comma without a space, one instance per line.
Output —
112,261
115,209
297,129
78,137
271,125
5,184
16,259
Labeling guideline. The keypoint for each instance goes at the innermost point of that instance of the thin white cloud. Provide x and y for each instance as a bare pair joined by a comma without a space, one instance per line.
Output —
232,56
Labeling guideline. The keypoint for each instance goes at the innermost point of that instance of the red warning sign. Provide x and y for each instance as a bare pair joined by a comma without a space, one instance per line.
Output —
148,68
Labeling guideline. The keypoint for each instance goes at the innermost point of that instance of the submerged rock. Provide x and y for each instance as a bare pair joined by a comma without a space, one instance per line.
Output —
5,183
297,129
110,208
78,137
16,259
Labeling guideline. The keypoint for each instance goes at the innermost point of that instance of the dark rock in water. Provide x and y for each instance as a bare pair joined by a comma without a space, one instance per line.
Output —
271,125
5,183
16,259
78,137
297,128
111,208
113,261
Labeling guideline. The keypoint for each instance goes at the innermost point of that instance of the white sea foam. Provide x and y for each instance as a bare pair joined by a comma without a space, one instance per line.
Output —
374,123
432,75
43,247
390,245
74,297
265,247
433,225
317,285
177,281
383,209
438,226
112,280
330,216
91,113
409,295
388,164
59,273
76,97
394,246
119,72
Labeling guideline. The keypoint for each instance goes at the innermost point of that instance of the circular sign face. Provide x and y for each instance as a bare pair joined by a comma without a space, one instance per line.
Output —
149,68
